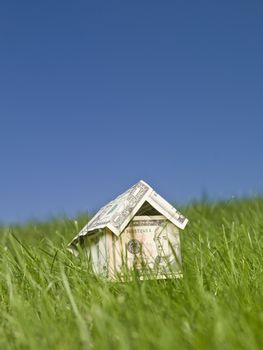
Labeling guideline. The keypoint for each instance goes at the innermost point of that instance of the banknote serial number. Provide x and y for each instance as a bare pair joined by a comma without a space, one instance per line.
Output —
139,230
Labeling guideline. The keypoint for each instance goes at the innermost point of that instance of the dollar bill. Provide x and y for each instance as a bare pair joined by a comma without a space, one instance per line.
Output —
96,250
148,245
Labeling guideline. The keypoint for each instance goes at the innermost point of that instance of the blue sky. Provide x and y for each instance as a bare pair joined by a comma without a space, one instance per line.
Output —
96,95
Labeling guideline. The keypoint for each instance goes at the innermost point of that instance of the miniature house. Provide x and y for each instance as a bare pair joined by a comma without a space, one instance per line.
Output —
136,232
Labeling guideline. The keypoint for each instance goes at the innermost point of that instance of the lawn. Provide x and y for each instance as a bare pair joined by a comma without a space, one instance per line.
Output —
50,300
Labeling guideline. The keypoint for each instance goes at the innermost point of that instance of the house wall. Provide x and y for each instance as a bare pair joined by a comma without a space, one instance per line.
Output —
97,251
111,253
149,244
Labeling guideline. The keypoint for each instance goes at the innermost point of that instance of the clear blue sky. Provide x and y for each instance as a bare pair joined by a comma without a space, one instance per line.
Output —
96,95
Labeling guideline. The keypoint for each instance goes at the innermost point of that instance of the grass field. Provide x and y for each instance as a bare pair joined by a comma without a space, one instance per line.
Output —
50,300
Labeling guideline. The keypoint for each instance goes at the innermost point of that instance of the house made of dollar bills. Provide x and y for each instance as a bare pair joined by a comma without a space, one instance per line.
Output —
135,234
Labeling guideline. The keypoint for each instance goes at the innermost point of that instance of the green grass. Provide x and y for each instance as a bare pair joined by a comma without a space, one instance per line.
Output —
50,300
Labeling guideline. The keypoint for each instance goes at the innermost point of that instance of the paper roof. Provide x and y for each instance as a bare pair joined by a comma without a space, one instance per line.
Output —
117,214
